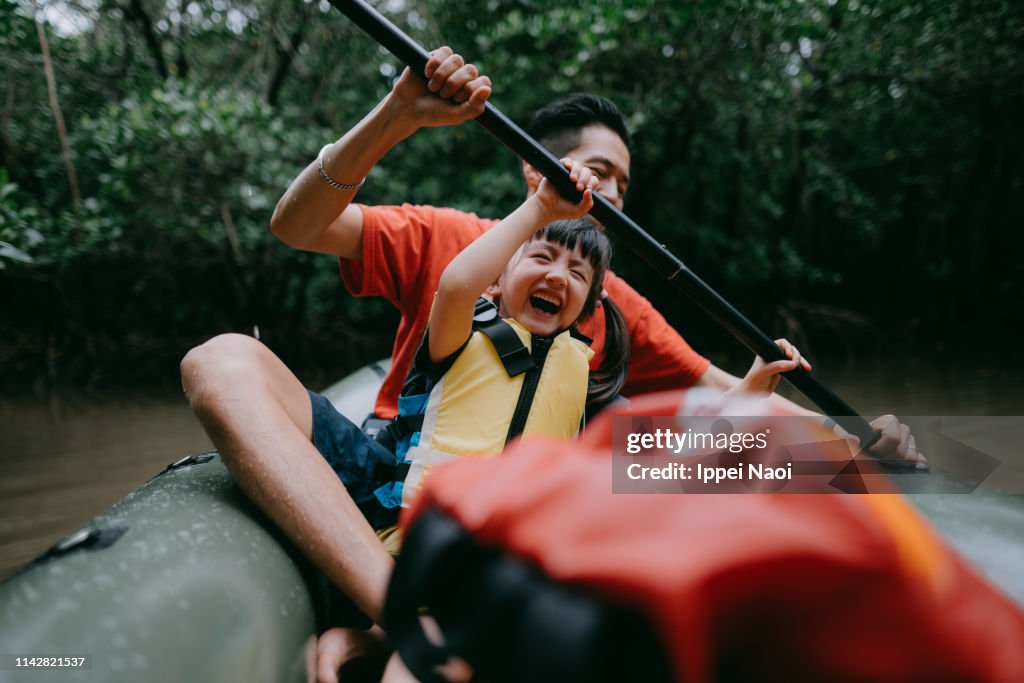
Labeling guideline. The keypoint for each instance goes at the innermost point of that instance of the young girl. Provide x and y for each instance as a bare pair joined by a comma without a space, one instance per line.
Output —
487,373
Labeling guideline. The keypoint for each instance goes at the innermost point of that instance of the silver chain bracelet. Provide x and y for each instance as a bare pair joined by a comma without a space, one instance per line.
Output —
328,179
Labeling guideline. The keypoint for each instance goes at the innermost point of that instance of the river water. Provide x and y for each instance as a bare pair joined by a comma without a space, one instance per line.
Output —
65,461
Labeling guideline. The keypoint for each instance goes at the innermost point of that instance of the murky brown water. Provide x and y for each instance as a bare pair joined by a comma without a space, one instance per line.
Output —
62,463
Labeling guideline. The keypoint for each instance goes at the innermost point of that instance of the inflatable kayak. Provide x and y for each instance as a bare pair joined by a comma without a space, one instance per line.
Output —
184,580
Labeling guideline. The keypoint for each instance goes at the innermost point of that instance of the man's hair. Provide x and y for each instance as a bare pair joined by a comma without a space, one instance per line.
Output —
558,126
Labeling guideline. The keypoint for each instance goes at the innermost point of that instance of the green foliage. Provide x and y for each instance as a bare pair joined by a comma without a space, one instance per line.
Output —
183,166
834,151
866,154
18,236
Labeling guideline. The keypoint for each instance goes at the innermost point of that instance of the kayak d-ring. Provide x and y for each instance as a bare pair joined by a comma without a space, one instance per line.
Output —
85,540
188,461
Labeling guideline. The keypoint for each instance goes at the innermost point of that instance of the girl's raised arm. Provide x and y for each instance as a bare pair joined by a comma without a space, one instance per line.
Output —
479,264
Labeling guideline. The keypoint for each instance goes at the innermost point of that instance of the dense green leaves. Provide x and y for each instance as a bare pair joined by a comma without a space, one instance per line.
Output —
841,159
18,236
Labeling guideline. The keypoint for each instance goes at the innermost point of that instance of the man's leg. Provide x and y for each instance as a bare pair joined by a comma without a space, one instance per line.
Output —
259,417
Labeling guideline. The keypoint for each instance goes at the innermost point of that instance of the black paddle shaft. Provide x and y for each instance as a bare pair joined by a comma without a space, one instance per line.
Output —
642,244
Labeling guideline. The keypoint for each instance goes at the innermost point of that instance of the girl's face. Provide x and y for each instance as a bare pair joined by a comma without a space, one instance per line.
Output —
544,287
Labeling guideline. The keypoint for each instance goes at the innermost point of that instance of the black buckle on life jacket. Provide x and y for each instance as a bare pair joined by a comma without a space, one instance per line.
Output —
401,426
404,425
484,310
511,349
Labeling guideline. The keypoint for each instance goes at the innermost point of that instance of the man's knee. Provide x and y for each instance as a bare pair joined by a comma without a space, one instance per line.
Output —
226,364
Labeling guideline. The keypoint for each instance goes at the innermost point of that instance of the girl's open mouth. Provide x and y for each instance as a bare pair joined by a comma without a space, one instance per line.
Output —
545,305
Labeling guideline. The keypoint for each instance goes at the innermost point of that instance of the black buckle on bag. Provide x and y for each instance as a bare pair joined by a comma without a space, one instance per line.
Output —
506,618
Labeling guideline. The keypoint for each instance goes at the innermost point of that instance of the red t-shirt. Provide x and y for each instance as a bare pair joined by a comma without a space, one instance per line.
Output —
405,250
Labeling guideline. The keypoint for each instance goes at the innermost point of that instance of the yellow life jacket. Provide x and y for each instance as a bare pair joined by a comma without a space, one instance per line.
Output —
503,383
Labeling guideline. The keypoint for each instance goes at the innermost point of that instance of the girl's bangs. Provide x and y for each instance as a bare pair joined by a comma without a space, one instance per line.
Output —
582,234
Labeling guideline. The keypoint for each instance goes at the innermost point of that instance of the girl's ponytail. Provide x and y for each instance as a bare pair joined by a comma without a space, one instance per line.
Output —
607,381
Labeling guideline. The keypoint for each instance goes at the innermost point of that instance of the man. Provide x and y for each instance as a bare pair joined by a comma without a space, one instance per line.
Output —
383,250
260,416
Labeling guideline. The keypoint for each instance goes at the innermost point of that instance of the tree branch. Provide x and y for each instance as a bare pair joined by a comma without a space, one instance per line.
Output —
286,53
58,117
138,12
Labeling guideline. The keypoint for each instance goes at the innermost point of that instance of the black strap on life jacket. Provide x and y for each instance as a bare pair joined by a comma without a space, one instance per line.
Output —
513,353
527,392
506,618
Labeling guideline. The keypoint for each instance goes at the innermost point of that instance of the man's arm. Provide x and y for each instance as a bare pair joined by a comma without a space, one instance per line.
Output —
894,443
314,216
717,378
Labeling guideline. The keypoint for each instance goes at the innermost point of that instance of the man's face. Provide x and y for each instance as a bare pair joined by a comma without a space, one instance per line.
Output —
604,152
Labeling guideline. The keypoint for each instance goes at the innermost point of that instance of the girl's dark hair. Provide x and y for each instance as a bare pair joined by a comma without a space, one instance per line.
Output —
580,233
606,382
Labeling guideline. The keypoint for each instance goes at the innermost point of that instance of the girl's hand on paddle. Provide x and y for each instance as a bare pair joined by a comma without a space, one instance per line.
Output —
554,206
764,377
455,91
